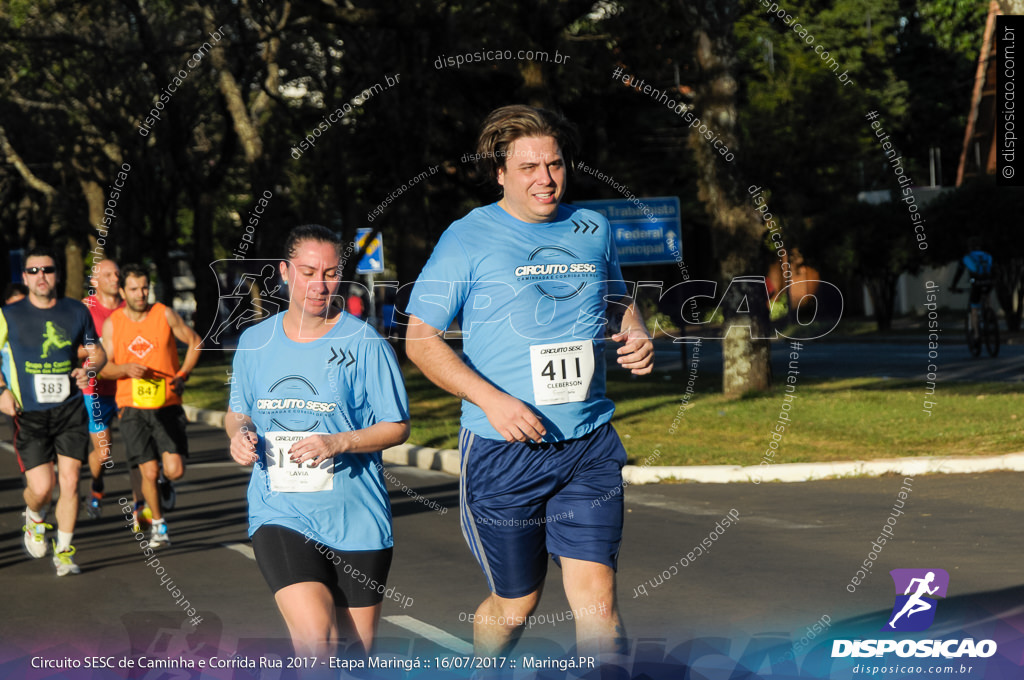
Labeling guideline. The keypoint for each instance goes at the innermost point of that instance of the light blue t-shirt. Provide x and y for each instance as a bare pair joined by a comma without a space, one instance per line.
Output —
346,380
530,299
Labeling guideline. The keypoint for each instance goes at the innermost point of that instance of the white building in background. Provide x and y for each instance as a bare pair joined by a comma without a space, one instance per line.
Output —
910,291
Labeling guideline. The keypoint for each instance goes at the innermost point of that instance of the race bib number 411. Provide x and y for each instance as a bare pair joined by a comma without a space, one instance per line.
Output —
289,476
562,371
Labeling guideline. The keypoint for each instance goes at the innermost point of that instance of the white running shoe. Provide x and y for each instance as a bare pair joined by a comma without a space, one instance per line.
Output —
64,561
159,538
35,538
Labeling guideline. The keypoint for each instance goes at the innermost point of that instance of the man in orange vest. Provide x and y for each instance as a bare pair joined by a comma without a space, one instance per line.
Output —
139,338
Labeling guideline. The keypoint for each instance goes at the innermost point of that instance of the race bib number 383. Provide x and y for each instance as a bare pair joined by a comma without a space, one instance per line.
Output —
52,389
562,371
287,475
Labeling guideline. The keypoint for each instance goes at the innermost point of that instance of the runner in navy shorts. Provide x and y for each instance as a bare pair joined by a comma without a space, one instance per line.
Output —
534,285
560,509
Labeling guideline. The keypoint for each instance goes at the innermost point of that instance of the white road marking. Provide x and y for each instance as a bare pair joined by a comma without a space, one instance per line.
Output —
420,628
432,633
242,548
220,464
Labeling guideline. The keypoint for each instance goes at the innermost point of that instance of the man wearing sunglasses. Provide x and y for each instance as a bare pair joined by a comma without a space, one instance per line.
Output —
42,335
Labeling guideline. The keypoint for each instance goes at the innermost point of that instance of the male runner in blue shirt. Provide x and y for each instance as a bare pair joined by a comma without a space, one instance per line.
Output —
529,280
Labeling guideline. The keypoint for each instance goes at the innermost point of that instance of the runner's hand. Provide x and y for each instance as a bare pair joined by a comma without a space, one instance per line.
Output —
243,447
8,404
638,352
81,377
317,448
514,420
135,370
178,384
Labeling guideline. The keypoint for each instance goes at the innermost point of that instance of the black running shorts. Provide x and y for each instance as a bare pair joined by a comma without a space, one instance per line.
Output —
355,578
40,436
148,432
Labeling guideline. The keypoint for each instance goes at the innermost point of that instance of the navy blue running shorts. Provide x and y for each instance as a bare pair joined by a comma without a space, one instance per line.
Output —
521,502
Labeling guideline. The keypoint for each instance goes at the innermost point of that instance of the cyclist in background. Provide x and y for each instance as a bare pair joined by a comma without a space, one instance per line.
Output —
978,264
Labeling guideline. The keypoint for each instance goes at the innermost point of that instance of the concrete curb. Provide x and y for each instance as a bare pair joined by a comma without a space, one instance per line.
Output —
804,472
205,416
447,460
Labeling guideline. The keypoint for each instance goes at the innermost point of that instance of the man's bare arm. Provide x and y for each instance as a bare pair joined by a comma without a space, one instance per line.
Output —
637,354
513,419
189,338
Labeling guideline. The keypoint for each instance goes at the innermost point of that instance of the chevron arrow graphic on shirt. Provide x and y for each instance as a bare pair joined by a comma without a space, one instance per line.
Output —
586,227
340,355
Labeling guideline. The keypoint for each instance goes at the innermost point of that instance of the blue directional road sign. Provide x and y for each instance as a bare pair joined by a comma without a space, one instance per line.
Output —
648,233
371,245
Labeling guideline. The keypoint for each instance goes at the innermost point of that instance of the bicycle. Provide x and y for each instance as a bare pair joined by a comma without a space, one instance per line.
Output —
988,334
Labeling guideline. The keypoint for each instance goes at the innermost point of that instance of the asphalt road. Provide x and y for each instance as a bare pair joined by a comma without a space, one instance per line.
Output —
785,565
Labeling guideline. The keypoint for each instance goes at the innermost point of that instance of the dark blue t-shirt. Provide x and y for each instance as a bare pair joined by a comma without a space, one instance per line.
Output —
41,350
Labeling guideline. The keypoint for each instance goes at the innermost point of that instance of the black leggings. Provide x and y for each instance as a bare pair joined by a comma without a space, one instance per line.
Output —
355,578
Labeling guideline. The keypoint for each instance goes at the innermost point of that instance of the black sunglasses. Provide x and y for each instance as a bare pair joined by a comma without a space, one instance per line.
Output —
36,270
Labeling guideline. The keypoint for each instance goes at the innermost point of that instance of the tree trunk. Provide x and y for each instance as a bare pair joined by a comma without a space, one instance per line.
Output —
206,290
94,198
1010,285
737,231
882,292
746,355
75,270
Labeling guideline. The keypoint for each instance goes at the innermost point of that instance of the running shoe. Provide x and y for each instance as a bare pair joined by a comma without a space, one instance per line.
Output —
142,517
93,508
159,538
64,561
168,496
35,538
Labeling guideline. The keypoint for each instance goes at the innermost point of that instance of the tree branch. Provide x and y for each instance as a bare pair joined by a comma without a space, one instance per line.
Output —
26,174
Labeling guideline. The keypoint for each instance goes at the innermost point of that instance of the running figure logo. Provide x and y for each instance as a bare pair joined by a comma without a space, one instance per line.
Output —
915,611
255,297
55,336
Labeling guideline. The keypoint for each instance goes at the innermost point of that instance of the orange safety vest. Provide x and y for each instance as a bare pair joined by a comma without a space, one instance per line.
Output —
148,342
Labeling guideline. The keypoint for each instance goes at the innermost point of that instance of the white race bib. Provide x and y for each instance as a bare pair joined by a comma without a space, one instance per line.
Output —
289,476
52,389
562,371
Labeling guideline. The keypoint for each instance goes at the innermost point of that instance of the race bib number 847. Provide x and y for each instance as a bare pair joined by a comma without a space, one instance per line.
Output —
562,371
